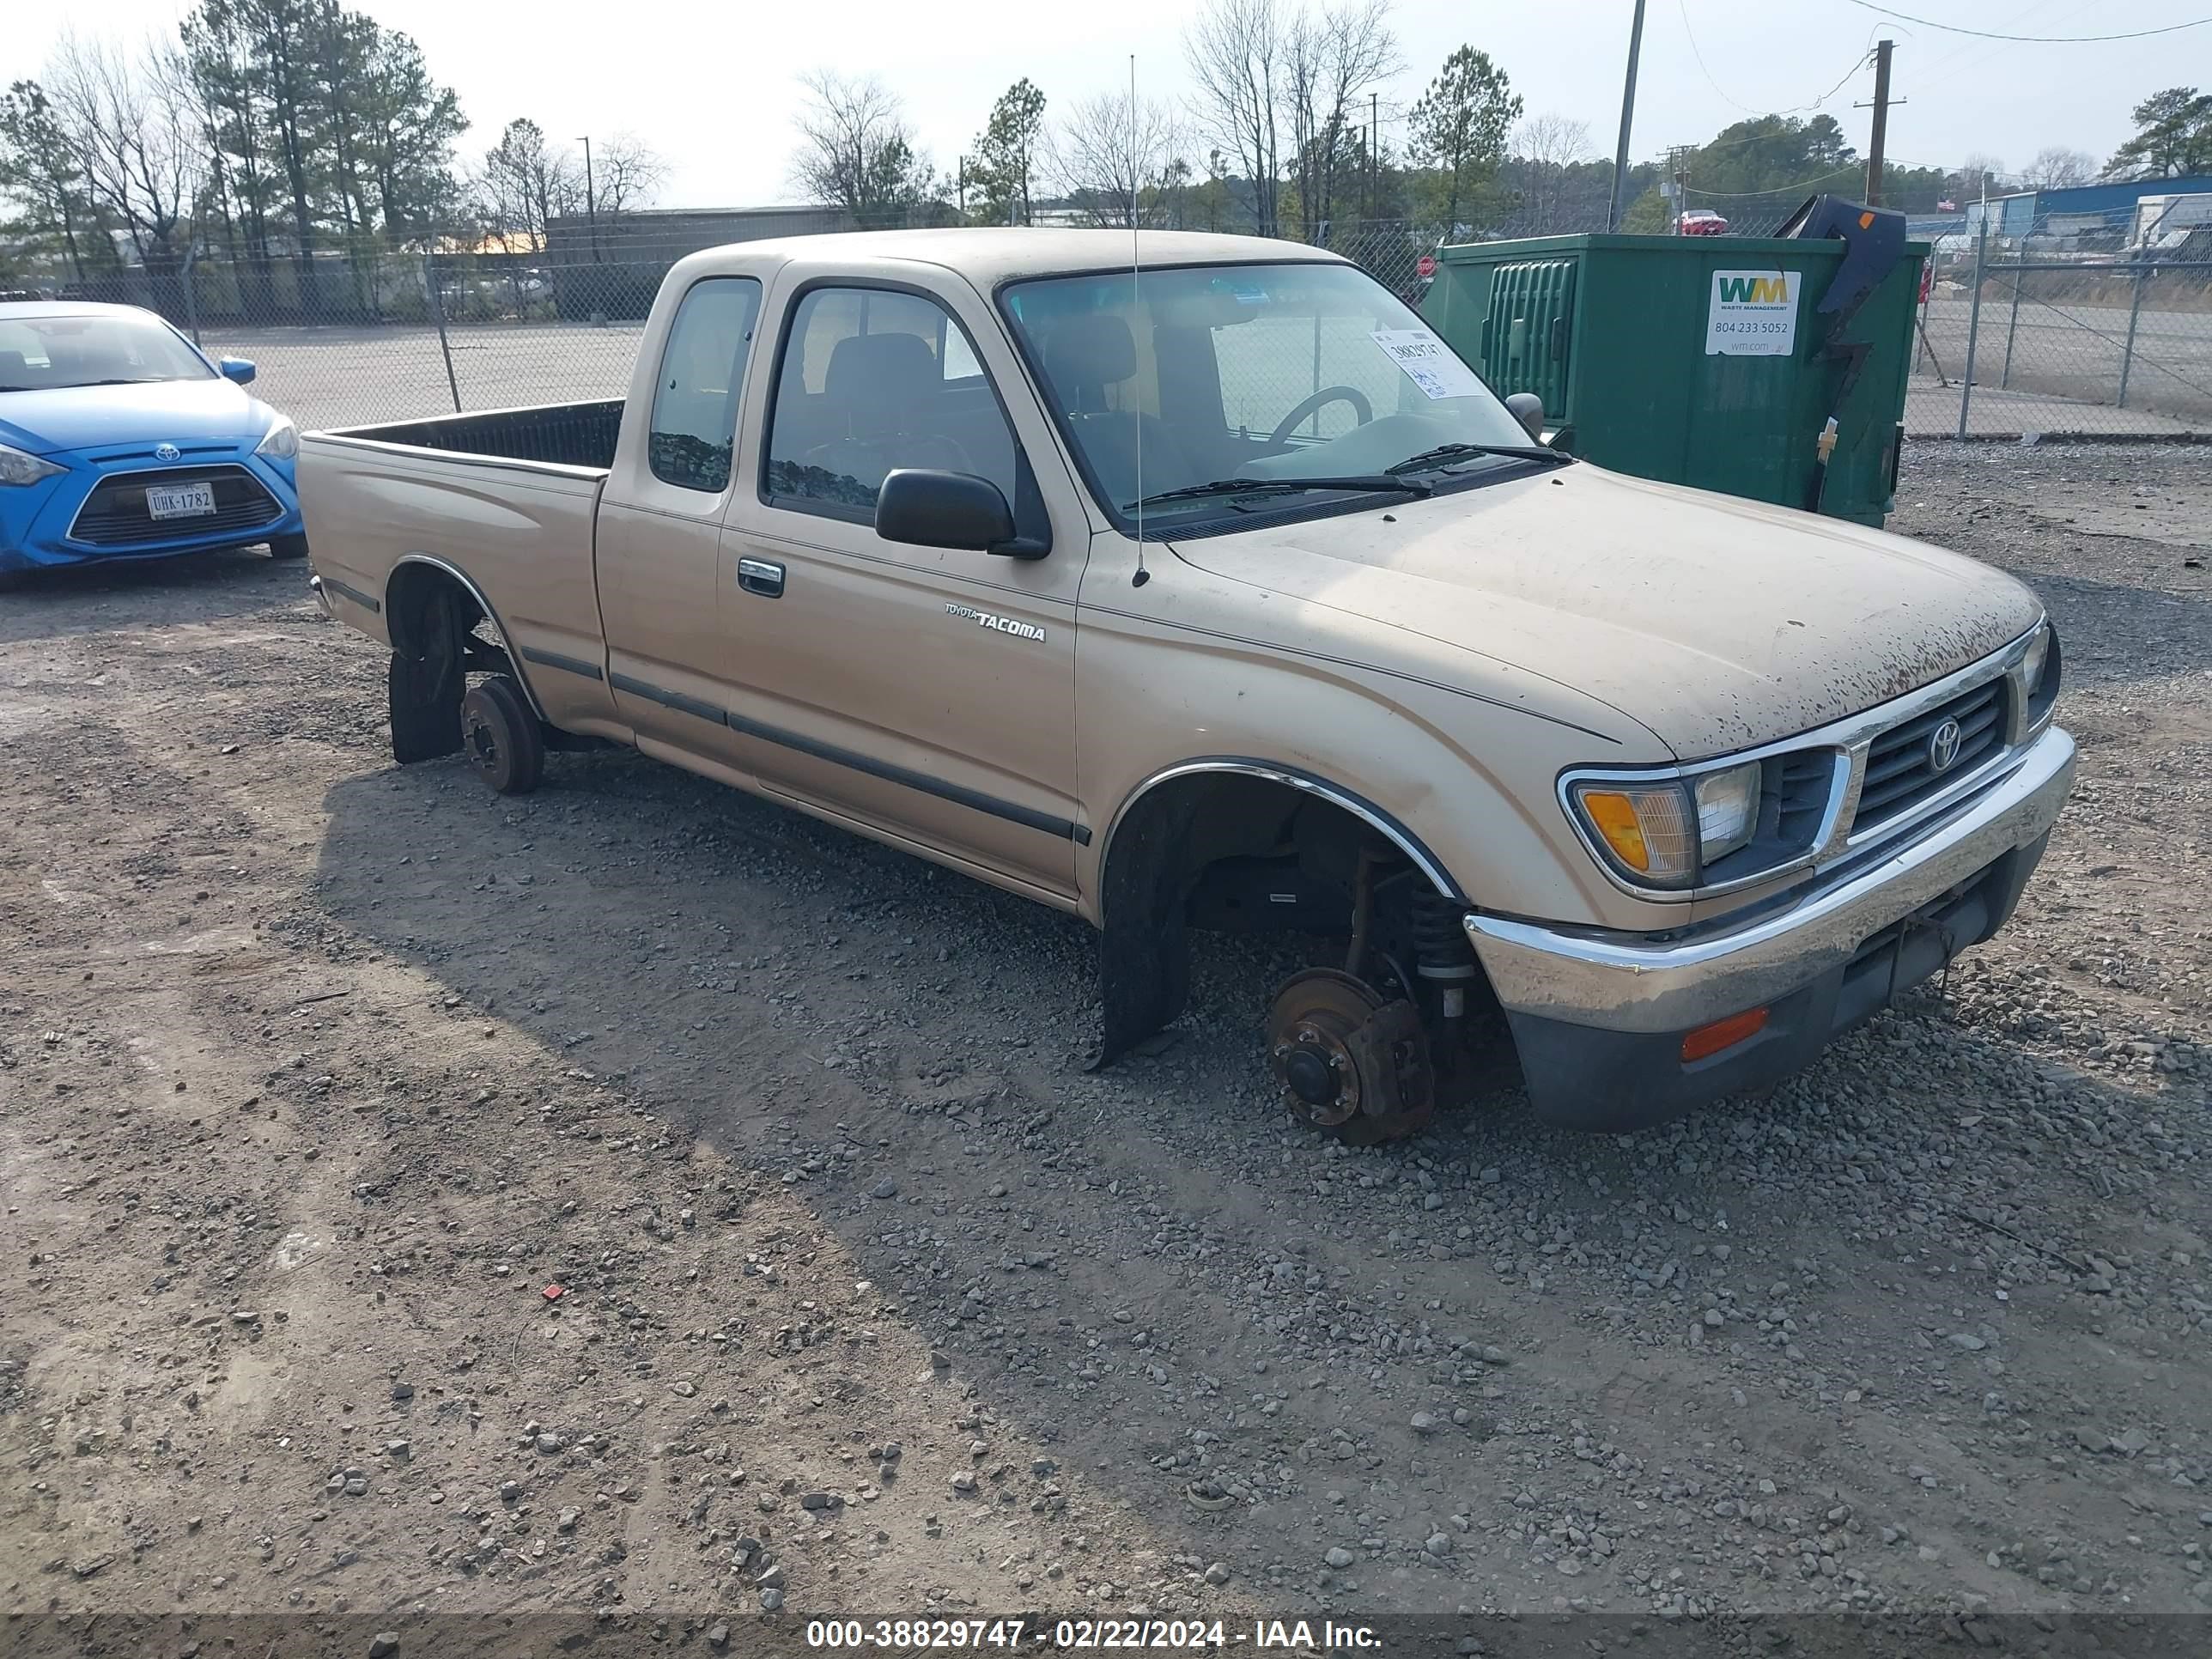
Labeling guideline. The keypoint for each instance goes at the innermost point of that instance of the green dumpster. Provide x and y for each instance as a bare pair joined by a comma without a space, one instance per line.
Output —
1698,360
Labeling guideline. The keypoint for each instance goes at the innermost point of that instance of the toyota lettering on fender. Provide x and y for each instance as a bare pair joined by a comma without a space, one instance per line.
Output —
1019,629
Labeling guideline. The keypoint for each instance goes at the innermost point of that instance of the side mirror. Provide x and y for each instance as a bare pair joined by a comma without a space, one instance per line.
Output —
1528,408
931,508
235,368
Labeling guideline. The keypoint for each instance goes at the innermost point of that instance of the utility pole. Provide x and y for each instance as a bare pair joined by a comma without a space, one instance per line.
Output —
591,199
1881,52
1675,171
1374,160
1627,119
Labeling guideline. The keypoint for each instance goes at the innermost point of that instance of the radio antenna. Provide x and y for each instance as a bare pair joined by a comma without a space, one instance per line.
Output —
1136,306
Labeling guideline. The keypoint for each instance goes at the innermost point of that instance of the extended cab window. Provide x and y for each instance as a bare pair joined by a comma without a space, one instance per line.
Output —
694,402
873,380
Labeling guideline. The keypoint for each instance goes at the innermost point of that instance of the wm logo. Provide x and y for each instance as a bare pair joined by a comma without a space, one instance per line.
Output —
1754,290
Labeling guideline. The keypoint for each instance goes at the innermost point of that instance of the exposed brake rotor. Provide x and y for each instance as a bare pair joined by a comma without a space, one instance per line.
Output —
1352,1062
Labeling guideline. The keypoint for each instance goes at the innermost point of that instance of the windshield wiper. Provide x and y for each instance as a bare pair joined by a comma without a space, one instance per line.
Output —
1370,481
1442,452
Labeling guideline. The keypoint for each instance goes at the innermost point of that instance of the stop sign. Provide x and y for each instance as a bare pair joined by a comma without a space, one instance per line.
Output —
1425,266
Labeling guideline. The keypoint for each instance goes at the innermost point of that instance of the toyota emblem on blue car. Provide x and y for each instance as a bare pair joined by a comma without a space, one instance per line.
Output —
167,453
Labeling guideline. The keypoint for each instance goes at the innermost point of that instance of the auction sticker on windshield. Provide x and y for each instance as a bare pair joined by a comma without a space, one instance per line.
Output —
1753,314
1429,363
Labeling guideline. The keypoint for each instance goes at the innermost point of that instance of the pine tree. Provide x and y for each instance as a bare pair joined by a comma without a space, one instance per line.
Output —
1005,155
1459,128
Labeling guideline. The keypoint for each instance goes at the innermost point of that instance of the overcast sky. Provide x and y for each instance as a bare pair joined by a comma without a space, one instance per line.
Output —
710,84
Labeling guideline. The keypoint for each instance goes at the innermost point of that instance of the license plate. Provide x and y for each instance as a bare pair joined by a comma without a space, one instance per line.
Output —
180,501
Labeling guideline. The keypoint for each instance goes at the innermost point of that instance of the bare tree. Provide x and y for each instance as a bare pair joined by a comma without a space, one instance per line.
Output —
1544,147
1114,163
1331,58
1236,52
2058,167
1976,171
627,175
856,150
525,184
132,121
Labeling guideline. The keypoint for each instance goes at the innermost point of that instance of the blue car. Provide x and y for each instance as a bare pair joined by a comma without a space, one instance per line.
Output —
119,439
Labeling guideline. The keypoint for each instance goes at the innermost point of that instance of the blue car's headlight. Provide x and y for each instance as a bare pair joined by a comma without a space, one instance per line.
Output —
280,442
17,468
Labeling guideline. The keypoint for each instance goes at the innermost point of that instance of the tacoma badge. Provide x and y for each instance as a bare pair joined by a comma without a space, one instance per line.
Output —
1020,630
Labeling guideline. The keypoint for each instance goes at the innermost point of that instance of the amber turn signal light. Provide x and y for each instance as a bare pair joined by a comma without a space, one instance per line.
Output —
1722,1034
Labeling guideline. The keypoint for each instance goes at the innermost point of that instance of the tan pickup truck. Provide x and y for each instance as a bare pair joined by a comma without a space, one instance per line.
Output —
1219,593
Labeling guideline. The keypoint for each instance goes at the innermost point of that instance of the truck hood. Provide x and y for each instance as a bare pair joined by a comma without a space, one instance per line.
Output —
104,417
1717,624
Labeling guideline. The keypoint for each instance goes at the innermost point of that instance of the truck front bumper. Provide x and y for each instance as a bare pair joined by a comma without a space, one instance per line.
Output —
1599,1017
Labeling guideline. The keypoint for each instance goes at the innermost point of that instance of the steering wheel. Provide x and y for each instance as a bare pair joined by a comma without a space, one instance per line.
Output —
1327,394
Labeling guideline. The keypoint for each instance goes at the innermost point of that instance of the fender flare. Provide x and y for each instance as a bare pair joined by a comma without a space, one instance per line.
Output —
1376,817
505,639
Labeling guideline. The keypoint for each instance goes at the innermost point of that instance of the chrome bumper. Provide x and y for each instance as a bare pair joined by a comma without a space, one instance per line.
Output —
1630,982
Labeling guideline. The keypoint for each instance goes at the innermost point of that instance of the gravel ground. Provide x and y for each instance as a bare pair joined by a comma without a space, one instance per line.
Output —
637,1198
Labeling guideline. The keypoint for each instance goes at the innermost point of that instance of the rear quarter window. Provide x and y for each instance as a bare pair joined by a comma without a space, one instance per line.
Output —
693,434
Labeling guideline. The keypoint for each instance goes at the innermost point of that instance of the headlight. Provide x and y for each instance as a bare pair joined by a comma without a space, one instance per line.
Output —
2038,654
280,442
17,468
1727,810
1665,834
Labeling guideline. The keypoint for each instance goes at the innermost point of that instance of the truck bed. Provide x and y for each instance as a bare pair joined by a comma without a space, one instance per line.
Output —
559,434
503,501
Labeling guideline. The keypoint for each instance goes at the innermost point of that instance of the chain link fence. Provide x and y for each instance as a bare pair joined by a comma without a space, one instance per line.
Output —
2085,326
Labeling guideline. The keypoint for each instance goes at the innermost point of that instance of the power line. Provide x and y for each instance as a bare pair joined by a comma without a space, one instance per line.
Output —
1683,7
1856,63
1843,172
2034,40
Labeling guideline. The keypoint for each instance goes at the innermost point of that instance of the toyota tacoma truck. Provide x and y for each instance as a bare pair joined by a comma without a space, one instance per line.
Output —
1210,590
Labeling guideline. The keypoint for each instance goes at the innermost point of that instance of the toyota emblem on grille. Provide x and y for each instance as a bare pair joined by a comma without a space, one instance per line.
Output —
1943,747
167,453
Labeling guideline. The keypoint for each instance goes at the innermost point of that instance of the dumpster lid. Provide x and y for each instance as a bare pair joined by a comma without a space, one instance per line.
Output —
1872,240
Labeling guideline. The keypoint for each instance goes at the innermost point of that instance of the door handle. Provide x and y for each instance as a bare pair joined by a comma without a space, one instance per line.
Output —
760,576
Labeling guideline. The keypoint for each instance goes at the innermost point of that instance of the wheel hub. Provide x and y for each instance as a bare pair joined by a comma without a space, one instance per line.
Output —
1312,1077
1345,1052
483,744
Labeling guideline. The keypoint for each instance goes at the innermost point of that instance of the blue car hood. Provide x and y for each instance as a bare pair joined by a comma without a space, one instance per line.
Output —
110,418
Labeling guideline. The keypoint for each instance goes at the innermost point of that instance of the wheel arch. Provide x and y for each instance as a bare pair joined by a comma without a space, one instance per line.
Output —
1153,848
416,573
1377,818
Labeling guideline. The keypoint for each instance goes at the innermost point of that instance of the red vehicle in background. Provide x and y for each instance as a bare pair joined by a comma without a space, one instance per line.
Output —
1700,221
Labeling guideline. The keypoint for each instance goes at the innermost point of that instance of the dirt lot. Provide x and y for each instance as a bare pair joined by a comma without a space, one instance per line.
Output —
319,1077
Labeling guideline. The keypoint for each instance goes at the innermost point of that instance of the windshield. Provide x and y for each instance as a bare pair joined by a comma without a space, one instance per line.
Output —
38,354
1262,373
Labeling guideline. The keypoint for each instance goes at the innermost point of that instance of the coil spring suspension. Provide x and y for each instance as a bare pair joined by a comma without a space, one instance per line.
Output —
1441,951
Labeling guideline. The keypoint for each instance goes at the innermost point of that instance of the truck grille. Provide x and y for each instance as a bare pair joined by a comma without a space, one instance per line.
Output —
1901,767
1801,784
115,514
